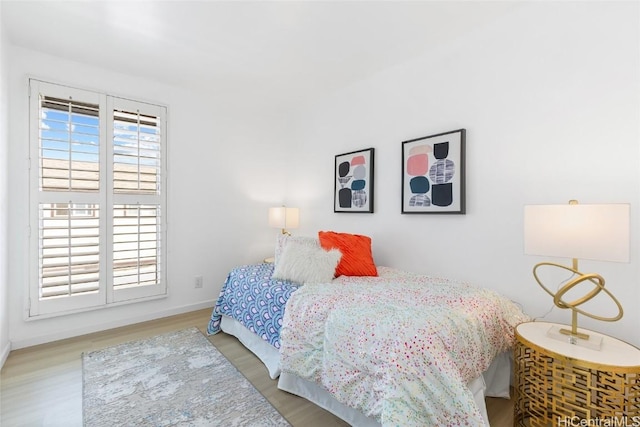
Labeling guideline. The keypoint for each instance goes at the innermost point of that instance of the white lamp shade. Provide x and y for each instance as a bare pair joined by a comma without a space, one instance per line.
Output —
594,232
283,217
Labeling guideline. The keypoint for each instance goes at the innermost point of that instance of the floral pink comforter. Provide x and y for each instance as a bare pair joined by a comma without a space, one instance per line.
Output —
401,348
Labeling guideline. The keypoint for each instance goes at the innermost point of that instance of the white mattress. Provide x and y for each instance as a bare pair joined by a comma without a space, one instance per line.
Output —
494,382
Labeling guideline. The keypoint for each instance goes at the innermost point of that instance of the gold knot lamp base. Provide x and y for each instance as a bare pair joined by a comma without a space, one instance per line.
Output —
573,336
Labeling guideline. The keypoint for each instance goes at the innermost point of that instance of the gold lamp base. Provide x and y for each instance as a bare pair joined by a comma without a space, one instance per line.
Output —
573,332
573,336
580,335
593,342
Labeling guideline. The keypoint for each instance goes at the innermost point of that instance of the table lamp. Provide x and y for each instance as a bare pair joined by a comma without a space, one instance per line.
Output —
282,217
591,231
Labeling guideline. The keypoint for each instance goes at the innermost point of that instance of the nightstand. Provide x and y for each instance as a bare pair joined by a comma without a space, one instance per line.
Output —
559,384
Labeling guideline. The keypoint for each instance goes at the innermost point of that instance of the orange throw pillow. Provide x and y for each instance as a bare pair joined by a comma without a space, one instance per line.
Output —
357,259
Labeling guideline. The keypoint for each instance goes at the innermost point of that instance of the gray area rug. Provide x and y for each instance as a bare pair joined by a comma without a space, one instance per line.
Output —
175,379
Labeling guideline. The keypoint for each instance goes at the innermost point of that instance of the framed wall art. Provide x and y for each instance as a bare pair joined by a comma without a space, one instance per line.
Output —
433,177
353,182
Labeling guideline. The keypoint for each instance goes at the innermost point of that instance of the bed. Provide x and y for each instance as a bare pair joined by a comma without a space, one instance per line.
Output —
251,307
393,349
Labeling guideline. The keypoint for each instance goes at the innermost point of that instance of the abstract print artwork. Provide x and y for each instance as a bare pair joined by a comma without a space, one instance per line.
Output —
353,182
433,173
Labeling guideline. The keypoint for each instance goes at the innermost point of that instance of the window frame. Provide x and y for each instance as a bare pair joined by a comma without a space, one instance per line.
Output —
105,198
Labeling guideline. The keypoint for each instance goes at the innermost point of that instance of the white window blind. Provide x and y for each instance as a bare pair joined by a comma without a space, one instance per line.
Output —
69,249
135,245
98,175
69,145
136,153
137,166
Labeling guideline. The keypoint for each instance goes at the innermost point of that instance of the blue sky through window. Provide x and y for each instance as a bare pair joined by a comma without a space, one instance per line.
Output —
76,137
65,136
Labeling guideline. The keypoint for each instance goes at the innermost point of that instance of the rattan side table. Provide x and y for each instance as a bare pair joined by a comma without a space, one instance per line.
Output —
561,384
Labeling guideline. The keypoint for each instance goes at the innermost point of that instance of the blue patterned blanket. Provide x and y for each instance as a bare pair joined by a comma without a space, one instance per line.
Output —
251,297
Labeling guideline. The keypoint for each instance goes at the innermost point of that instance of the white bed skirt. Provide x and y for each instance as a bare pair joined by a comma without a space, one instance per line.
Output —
268,354
494,382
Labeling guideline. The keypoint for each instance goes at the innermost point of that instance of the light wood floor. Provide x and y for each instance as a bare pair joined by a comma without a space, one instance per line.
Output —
42,385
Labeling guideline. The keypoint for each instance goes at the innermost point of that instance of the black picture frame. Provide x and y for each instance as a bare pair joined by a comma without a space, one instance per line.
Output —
353,181
433,174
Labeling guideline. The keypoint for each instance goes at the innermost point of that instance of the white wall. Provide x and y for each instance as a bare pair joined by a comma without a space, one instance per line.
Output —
550,97
225,170
4,205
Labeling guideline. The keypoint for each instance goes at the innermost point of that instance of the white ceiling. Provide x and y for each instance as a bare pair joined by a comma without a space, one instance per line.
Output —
279,52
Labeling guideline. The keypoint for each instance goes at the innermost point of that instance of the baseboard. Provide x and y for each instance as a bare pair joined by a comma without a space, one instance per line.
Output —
111,325
5,353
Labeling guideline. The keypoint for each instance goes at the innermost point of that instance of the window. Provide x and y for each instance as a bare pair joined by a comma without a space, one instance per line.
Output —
98,199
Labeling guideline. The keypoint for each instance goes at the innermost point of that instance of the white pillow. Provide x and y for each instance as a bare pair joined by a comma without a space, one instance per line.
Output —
283,239
303,263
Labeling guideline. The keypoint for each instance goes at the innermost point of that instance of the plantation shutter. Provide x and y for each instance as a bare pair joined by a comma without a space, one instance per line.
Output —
66,169
69,249
69,145
98,178
136,153
138,207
